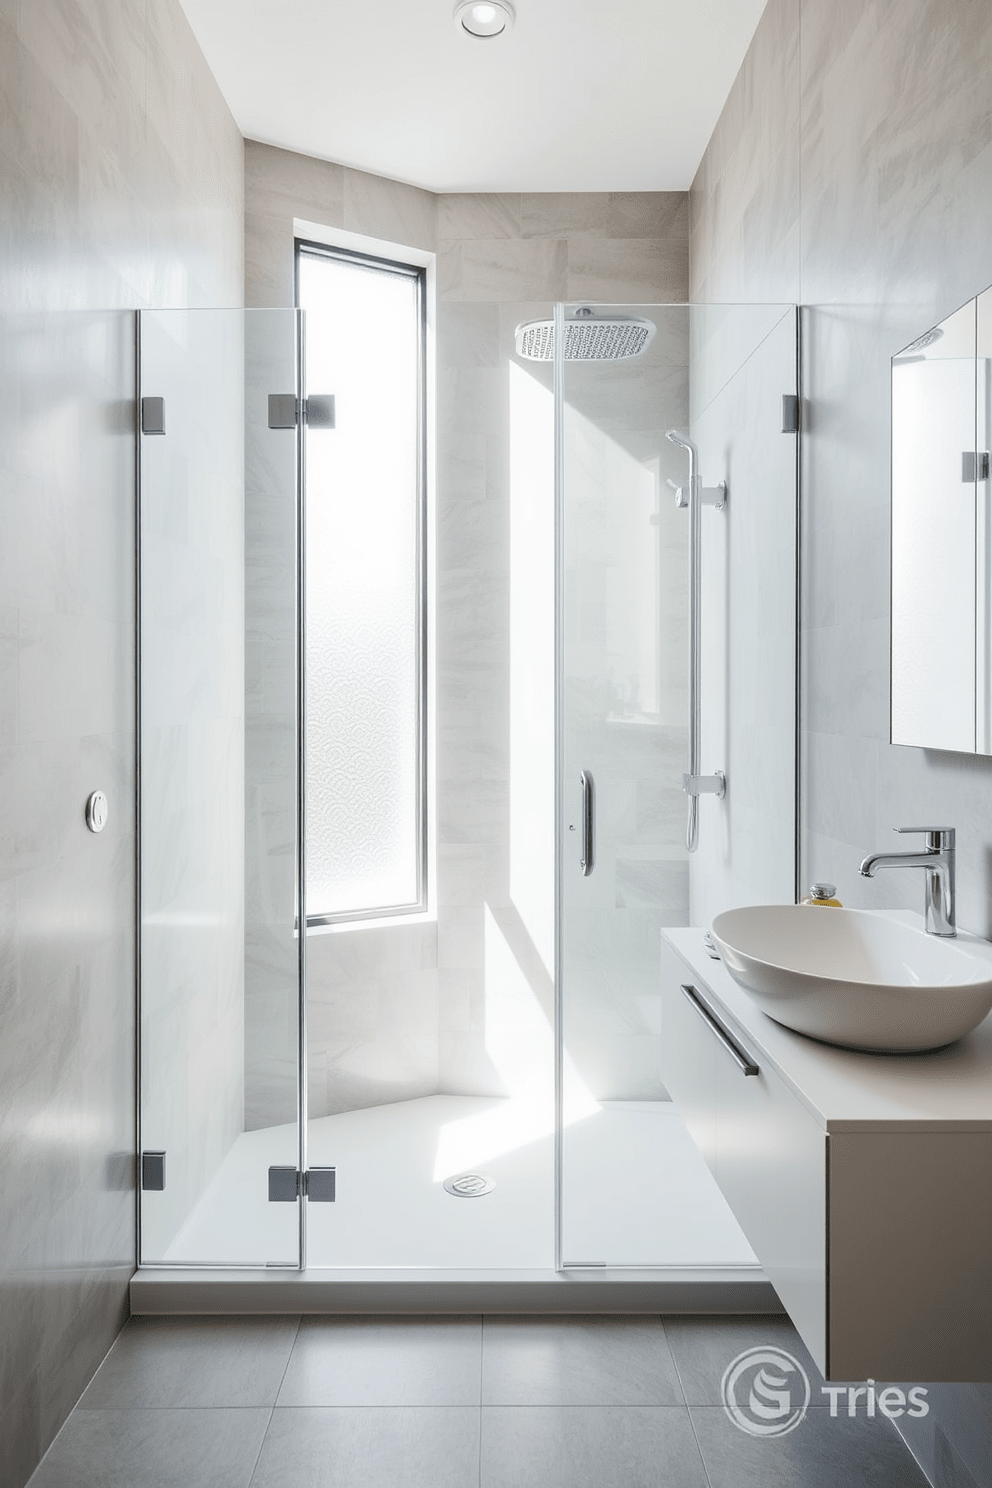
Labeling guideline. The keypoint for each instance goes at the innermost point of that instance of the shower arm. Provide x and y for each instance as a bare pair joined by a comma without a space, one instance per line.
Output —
693,783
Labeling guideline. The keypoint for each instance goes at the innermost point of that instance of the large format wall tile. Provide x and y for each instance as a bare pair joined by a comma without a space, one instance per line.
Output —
121,185
851,170
401,1011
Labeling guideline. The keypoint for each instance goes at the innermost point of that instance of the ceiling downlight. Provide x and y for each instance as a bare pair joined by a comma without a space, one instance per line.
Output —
483,19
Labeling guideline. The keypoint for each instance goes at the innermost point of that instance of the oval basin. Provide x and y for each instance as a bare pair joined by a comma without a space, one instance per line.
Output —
853,978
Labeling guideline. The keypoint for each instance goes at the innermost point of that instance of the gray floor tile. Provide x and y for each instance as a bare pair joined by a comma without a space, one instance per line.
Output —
704,1346
822,1452
965,1464
194,1361
371,1447
582,1447
154,1449
577,1361
385,1361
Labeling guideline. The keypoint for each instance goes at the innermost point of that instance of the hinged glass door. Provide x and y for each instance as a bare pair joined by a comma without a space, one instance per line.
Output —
219,789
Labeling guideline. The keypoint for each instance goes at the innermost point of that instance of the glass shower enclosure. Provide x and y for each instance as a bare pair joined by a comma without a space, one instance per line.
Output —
219,788
234,1157
632,1190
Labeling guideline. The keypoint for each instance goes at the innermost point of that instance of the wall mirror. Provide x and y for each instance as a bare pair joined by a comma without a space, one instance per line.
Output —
942,535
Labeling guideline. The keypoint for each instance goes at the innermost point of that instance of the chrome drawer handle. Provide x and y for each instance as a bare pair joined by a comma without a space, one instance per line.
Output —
745,1065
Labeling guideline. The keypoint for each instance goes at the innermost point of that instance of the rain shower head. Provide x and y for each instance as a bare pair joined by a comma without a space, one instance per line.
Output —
588,338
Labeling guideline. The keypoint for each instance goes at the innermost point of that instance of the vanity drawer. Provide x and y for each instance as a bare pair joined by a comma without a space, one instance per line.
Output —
688,1058
771,1164
765,1150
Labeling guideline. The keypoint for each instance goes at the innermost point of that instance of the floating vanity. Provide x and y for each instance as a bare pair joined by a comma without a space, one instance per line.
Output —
862,1181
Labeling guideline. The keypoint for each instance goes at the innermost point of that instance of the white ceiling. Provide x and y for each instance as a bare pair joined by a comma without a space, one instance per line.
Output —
582,95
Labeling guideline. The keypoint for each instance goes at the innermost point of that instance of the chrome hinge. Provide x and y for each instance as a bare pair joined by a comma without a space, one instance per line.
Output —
285,1186
791,413
153,415
153,1172
705,785
284,411
974,466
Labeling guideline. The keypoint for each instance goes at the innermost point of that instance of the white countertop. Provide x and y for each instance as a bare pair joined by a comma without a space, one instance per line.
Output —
949,1089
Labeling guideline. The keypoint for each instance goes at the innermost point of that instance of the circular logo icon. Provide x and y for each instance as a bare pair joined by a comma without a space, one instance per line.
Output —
765,1392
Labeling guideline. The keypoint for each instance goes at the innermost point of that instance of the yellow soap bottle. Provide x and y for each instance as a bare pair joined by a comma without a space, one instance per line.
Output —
822,893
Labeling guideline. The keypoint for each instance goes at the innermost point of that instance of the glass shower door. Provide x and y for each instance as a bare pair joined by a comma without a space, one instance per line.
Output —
218,746
633,1190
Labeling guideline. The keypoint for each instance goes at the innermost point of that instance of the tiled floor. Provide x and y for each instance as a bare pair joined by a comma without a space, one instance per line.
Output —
495,1402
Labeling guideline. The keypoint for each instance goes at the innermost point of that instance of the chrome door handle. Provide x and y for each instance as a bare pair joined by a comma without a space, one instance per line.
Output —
744,1064
588,860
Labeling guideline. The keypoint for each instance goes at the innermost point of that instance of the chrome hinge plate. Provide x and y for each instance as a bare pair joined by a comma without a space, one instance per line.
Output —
318,411
318,1186
705,785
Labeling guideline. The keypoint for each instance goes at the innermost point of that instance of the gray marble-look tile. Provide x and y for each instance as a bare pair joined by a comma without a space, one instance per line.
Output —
647,214
577,1361
510,269
381,208
575,1447
418,1447
468,335
820,1452
154,1449
194,1362
269,267
385,1362
842,787
461,938
636,271
703,1347
951,1443
563,214
847,678
283,184
462,215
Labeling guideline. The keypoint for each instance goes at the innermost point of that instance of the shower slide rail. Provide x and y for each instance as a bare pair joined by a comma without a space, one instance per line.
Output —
695,497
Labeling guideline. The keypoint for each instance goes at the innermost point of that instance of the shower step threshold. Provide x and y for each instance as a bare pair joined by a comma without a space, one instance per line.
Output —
183,1290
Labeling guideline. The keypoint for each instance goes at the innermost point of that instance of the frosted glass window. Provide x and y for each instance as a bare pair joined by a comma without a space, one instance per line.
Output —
364,339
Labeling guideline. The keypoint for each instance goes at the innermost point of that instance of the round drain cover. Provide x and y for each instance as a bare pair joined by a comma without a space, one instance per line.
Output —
469,1186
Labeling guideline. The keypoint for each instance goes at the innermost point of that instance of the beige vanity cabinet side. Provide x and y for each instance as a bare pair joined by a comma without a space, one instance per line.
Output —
874,1225
910,1252
765,1150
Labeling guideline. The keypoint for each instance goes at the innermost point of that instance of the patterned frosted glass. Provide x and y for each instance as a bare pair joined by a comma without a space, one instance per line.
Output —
363,675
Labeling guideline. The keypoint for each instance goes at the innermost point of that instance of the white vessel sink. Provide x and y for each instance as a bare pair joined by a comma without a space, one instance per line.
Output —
853,978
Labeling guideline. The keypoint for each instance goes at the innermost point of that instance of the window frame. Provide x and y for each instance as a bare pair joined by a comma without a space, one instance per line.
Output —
418,908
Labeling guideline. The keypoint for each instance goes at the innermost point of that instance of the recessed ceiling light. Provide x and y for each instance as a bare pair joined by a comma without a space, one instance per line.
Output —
484,18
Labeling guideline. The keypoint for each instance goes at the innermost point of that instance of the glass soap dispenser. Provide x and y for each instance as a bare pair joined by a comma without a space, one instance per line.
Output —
822,893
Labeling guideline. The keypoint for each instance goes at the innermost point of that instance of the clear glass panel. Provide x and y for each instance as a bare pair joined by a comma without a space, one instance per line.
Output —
420,1075
742,362
218,748
364,627
983,532
634,1190
934,532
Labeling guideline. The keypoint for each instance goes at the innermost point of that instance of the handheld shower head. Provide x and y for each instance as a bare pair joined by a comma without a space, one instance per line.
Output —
681,438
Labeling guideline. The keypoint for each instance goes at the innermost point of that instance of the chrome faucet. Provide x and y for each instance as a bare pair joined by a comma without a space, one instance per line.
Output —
937,859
